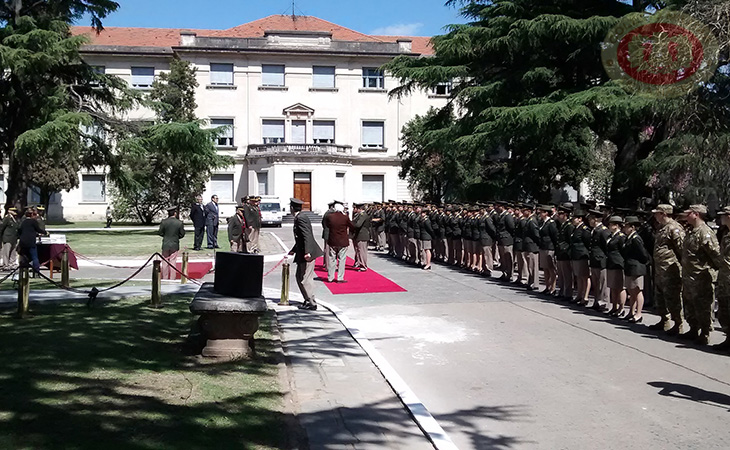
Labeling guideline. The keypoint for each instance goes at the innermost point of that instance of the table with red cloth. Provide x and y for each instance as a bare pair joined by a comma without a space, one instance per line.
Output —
52,256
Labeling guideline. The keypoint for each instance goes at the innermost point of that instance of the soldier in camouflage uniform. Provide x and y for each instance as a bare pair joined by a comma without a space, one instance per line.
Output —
723,282
668,271
700,259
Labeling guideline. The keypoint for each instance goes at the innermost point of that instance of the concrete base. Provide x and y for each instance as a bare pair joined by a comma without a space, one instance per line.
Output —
227,324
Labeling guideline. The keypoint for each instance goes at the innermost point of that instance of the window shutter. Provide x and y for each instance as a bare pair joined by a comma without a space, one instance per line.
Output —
372,134
272,75
221,74
324,129
323,77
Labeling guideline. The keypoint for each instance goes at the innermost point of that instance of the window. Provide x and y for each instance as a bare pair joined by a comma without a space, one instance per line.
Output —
324,131
222,186
99,70
372,188
263,180
323,77
143,77
226,138
372,78
340,185
442,89
272,75
273,131
93,188
221,74
373,134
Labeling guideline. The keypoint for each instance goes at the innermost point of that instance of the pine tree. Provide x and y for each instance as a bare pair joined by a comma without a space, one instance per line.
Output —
534,100
170,162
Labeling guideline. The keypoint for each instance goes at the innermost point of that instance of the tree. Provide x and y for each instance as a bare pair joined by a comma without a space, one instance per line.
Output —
47,93
170,162
534,99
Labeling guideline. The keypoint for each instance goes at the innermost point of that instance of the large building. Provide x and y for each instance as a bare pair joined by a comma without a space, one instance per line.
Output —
307,110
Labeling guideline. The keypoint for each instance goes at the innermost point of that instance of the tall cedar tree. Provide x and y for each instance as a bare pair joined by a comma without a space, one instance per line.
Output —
54,108
533,101
170,162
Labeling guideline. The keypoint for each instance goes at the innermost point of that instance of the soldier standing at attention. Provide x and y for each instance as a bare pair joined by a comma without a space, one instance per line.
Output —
212,218
723,282
456,242
518,245
505,226
487,235
326,233
599,245
305,252
9,236
580,242
615,278
361,224
417,235
378,220
548,243
635,259
562,253
700,259
427,234
531,248
403,213
237,231
252,216
171,230
668,243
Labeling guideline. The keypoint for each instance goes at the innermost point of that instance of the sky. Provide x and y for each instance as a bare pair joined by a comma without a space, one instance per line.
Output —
387,17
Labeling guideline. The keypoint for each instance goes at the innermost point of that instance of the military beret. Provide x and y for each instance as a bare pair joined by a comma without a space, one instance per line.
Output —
663,208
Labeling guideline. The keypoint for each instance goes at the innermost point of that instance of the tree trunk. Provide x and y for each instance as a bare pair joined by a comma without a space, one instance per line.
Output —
17,192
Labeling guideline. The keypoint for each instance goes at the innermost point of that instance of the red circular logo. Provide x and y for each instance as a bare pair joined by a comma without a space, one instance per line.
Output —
660,53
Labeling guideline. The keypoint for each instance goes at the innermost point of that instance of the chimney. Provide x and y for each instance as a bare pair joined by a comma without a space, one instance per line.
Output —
405,45
187,38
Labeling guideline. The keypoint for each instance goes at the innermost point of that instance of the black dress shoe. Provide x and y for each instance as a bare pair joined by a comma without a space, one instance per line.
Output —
633,319
531,288
342,281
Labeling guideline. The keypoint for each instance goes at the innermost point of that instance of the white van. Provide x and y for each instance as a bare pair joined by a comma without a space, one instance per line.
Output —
271,210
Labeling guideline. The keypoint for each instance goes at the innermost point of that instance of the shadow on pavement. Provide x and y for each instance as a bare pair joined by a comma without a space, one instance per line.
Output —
692,393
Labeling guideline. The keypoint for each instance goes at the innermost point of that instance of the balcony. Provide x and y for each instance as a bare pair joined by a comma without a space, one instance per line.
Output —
284,149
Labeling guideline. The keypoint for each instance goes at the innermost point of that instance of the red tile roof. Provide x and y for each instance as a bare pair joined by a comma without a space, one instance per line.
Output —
170,37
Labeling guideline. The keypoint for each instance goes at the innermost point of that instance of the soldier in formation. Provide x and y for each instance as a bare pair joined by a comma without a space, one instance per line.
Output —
619,258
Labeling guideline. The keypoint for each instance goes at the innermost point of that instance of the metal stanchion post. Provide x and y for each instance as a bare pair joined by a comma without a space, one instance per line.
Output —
64,268
156,284
23,292
284,284
184,276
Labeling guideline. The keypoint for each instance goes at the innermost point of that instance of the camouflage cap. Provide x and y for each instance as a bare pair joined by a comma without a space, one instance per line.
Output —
724,211
663,208
699,209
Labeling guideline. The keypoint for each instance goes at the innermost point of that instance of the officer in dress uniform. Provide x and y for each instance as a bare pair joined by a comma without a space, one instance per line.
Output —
505,227
548,243
361,235
597,261
562,252
326,231
305,252
518,241
531,248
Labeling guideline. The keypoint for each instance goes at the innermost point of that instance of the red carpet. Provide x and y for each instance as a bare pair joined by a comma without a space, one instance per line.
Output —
196,270
357,282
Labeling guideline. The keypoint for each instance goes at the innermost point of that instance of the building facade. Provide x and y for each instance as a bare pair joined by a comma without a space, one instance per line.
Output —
307,111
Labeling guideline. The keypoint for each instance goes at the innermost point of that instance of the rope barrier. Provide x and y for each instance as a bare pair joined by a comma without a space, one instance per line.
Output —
276,266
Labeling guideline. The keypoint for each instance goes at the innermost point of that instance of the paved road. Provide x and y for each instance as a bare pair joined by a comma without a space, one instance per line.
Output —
502,369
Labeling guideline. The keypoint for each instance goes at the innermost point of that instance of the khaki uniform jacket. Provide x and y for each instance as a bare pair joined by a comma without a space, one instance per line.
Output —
9,230
361,223
171,230
668,243
700,252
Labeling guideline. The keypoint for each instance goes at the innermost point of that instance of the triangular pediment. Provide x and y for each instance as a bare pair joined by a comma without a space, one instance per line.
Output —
298,109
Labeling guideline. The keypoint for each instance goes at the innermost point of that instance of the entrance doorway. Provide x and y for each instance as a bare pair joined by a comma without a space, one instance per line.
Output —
303,189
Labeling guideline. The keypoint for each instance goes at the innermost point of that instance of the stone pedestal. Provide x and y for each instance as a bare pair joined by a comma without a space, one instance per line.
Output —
228,324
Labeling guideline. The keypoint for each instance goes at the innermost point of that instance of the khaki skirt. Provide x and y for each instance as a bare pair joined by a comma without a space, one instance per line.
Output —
615,279
635,282
580,268
426,245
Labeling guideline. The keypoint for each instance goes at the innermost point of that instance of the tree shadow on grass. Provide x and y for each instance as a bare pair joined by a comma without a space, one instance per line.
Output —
115,377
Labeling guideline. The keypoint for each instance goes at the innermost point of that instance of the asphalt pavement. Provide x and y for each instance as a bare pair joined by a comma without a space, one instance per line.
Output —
501,368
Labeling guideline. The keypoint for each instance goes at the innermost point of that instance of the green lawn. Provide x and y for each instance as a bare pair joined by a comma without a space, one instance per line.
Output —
113,244
116,377
39,283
